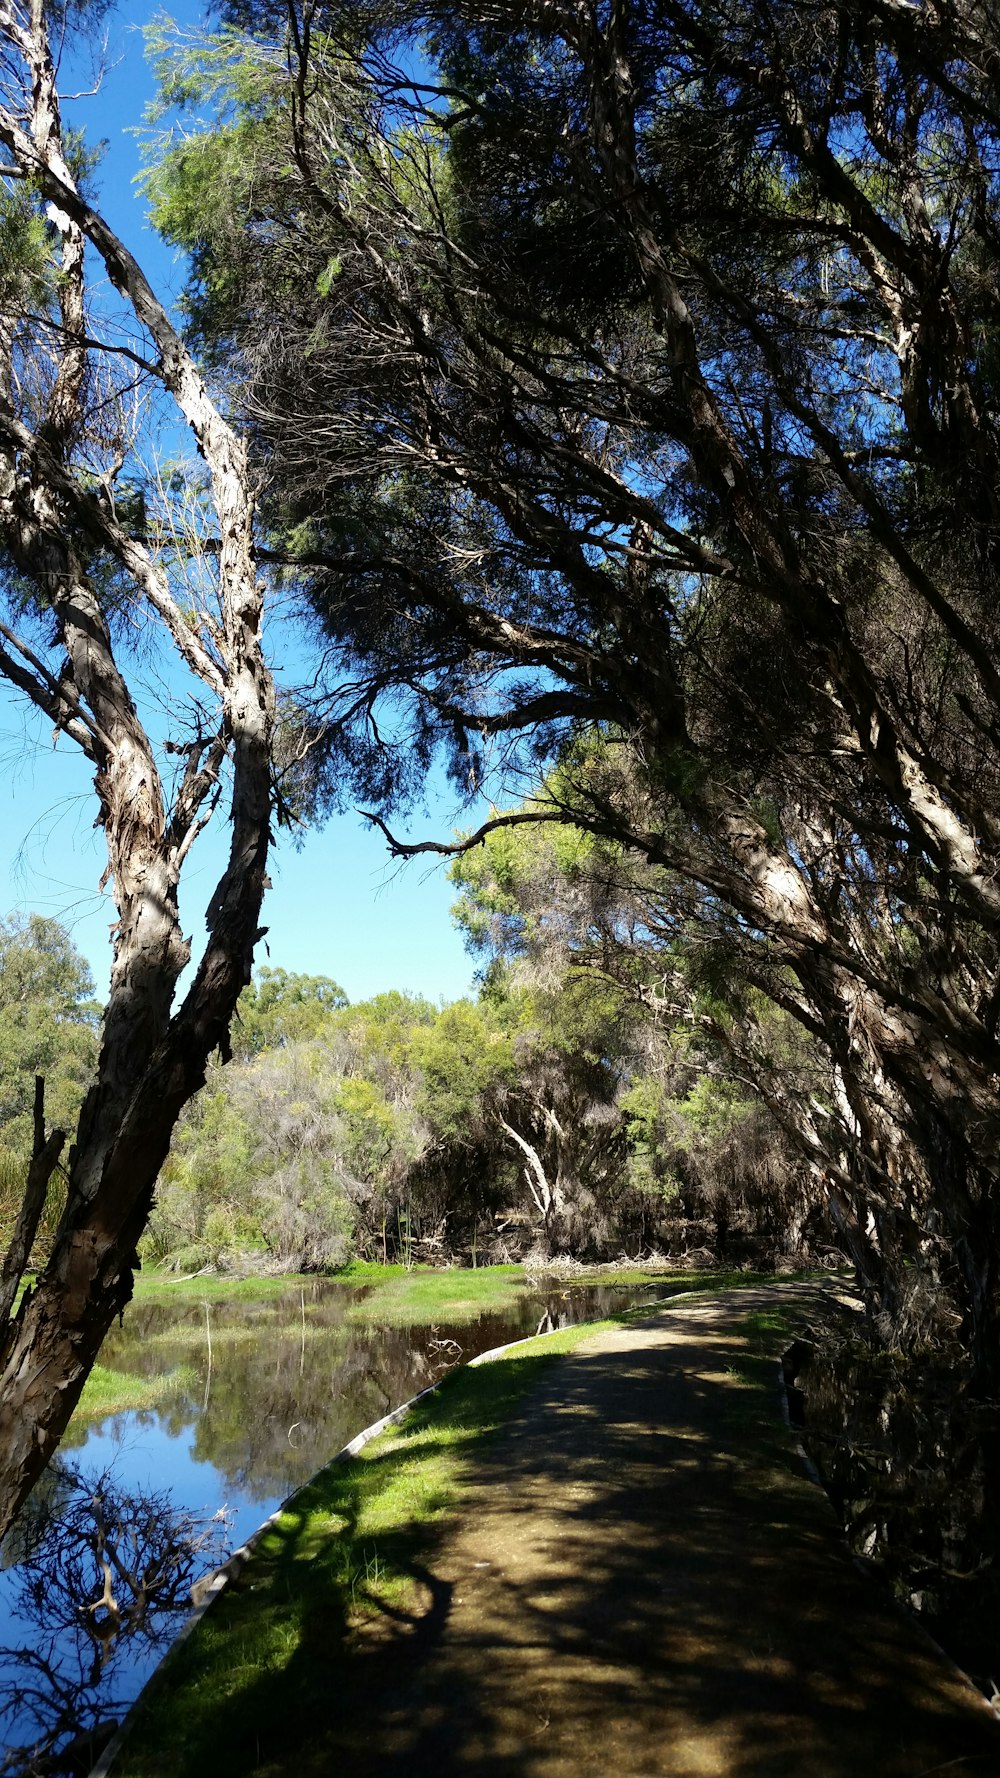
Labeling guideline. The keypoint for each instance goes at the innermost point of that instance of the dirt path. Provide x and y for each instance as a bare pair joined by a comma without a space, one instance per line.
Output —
643,1581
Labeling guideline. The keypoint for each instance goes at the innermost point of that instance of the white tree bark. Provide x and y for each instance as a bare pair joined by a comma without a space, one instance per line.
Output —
537,1180
152,1055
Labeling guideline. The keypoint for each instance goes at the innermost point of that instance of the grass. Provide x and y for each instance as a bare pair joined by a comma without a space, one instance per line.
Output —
438,1294
346,1548
372,1271
396,1296
108,1392
750,1408
352,1545
763,1327
156,1286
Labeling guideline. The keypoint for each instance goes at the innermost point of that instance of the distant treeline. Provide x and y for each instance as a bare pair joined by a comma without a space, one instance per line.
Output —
562,1112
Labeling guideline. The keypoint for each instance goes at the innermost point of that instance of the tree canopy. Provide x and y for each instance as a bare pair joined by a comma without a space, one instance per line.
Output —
618,388
48,1026
635,371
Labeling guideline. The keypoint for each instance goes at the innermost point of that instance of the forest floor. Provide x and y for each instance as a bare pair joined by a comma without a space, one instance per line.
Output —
637,1578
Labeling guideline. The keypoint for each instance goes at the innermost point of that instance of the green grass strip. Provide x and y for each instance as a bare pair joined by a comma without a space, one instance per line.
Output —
344,1548
108,1392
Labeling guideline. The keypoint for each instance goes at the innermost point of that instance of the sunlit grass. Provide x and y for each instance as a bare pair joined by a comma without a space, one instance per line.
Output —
344,1550
166,1287
109,1392
367,1271
752,1409
452,1294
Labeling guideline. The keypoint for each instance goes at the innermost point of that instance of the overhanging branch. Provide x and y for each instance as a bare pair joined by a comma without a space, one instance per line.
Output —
516,818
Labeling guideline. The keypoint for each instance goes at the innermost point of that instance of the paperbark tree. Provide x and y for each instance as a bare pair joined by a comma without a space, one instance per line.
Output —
651,385
81,574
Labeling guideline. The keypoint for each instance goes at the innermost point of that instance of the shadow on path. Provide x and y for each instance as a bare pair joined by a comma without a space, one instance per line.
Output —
642,1581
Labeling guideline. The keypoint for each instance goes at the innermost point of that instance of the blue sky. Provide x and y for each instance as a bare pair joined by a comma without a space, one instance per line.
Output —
339,906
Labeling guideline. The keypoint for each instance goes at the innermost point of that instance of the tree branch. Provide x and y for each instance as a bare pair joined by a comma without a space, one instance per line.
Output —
44,1158
517,818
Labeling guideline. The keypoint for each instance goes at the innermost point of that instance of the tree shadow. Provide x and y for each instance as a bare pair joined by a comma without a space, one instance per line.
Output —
642,1580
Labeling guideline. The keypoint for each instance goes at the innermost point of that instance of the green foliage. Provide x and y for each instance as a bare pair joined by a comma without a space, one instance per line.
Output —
48,1026
580,933
650,1157
27,268
281,1008
462,1058
331,271
502,907
257,1165
594,400
201,191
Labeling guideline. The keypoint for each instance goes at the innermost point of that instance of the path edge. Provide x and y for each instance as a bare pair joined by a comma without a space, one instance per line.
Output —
213,1584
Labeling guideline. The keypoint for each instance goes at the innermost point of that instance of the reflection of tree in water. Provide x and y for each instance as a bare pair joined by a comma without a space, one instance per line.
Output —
102,1579
297,1374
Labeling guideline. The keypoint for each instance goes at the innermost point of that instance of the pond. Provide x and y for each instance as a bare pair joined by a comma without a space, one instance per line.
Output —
254,1395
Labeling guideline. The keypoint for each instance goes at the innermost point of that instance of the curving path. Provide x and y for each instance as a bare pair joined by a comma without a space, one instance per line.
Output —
642,1581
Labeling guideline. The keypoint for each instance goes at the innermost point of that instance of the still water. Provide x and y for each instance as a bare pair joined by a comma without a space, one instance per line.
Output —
96,1578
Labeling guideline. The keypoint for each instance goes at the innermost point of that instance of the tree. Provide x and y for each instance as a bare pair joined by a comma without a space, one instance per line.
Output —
651,388
283,1007
48,1030
308,1139
48,1026
666,1089
93,556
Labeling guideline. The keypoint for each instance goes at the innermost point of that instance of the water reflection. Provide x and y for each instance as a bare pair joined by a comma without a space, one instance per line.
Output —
268,1390
263,1393
99,1582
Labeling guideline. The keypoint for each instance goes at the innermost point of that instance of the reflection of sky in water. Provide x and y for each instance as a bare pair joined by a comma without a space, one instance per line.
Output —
146,1456
294,1381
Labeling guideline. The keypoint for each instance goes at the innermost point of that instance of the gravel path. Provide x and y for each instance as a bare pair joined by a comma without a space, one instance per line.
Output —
641,1584
643,1581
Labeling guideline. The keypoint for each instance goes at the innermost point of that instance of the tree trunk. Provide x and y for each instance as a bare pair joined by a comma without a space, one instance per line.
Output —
49,1348
152,1058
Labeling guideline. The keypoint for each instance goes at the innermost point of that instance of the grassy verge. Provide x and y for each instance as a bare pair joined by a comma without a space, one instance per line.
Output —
168,1287
348,1546
108,1392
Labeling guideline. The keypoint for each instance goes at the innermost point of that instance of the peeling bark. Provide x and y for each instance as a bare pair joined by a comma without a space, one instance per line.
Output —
152,1055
